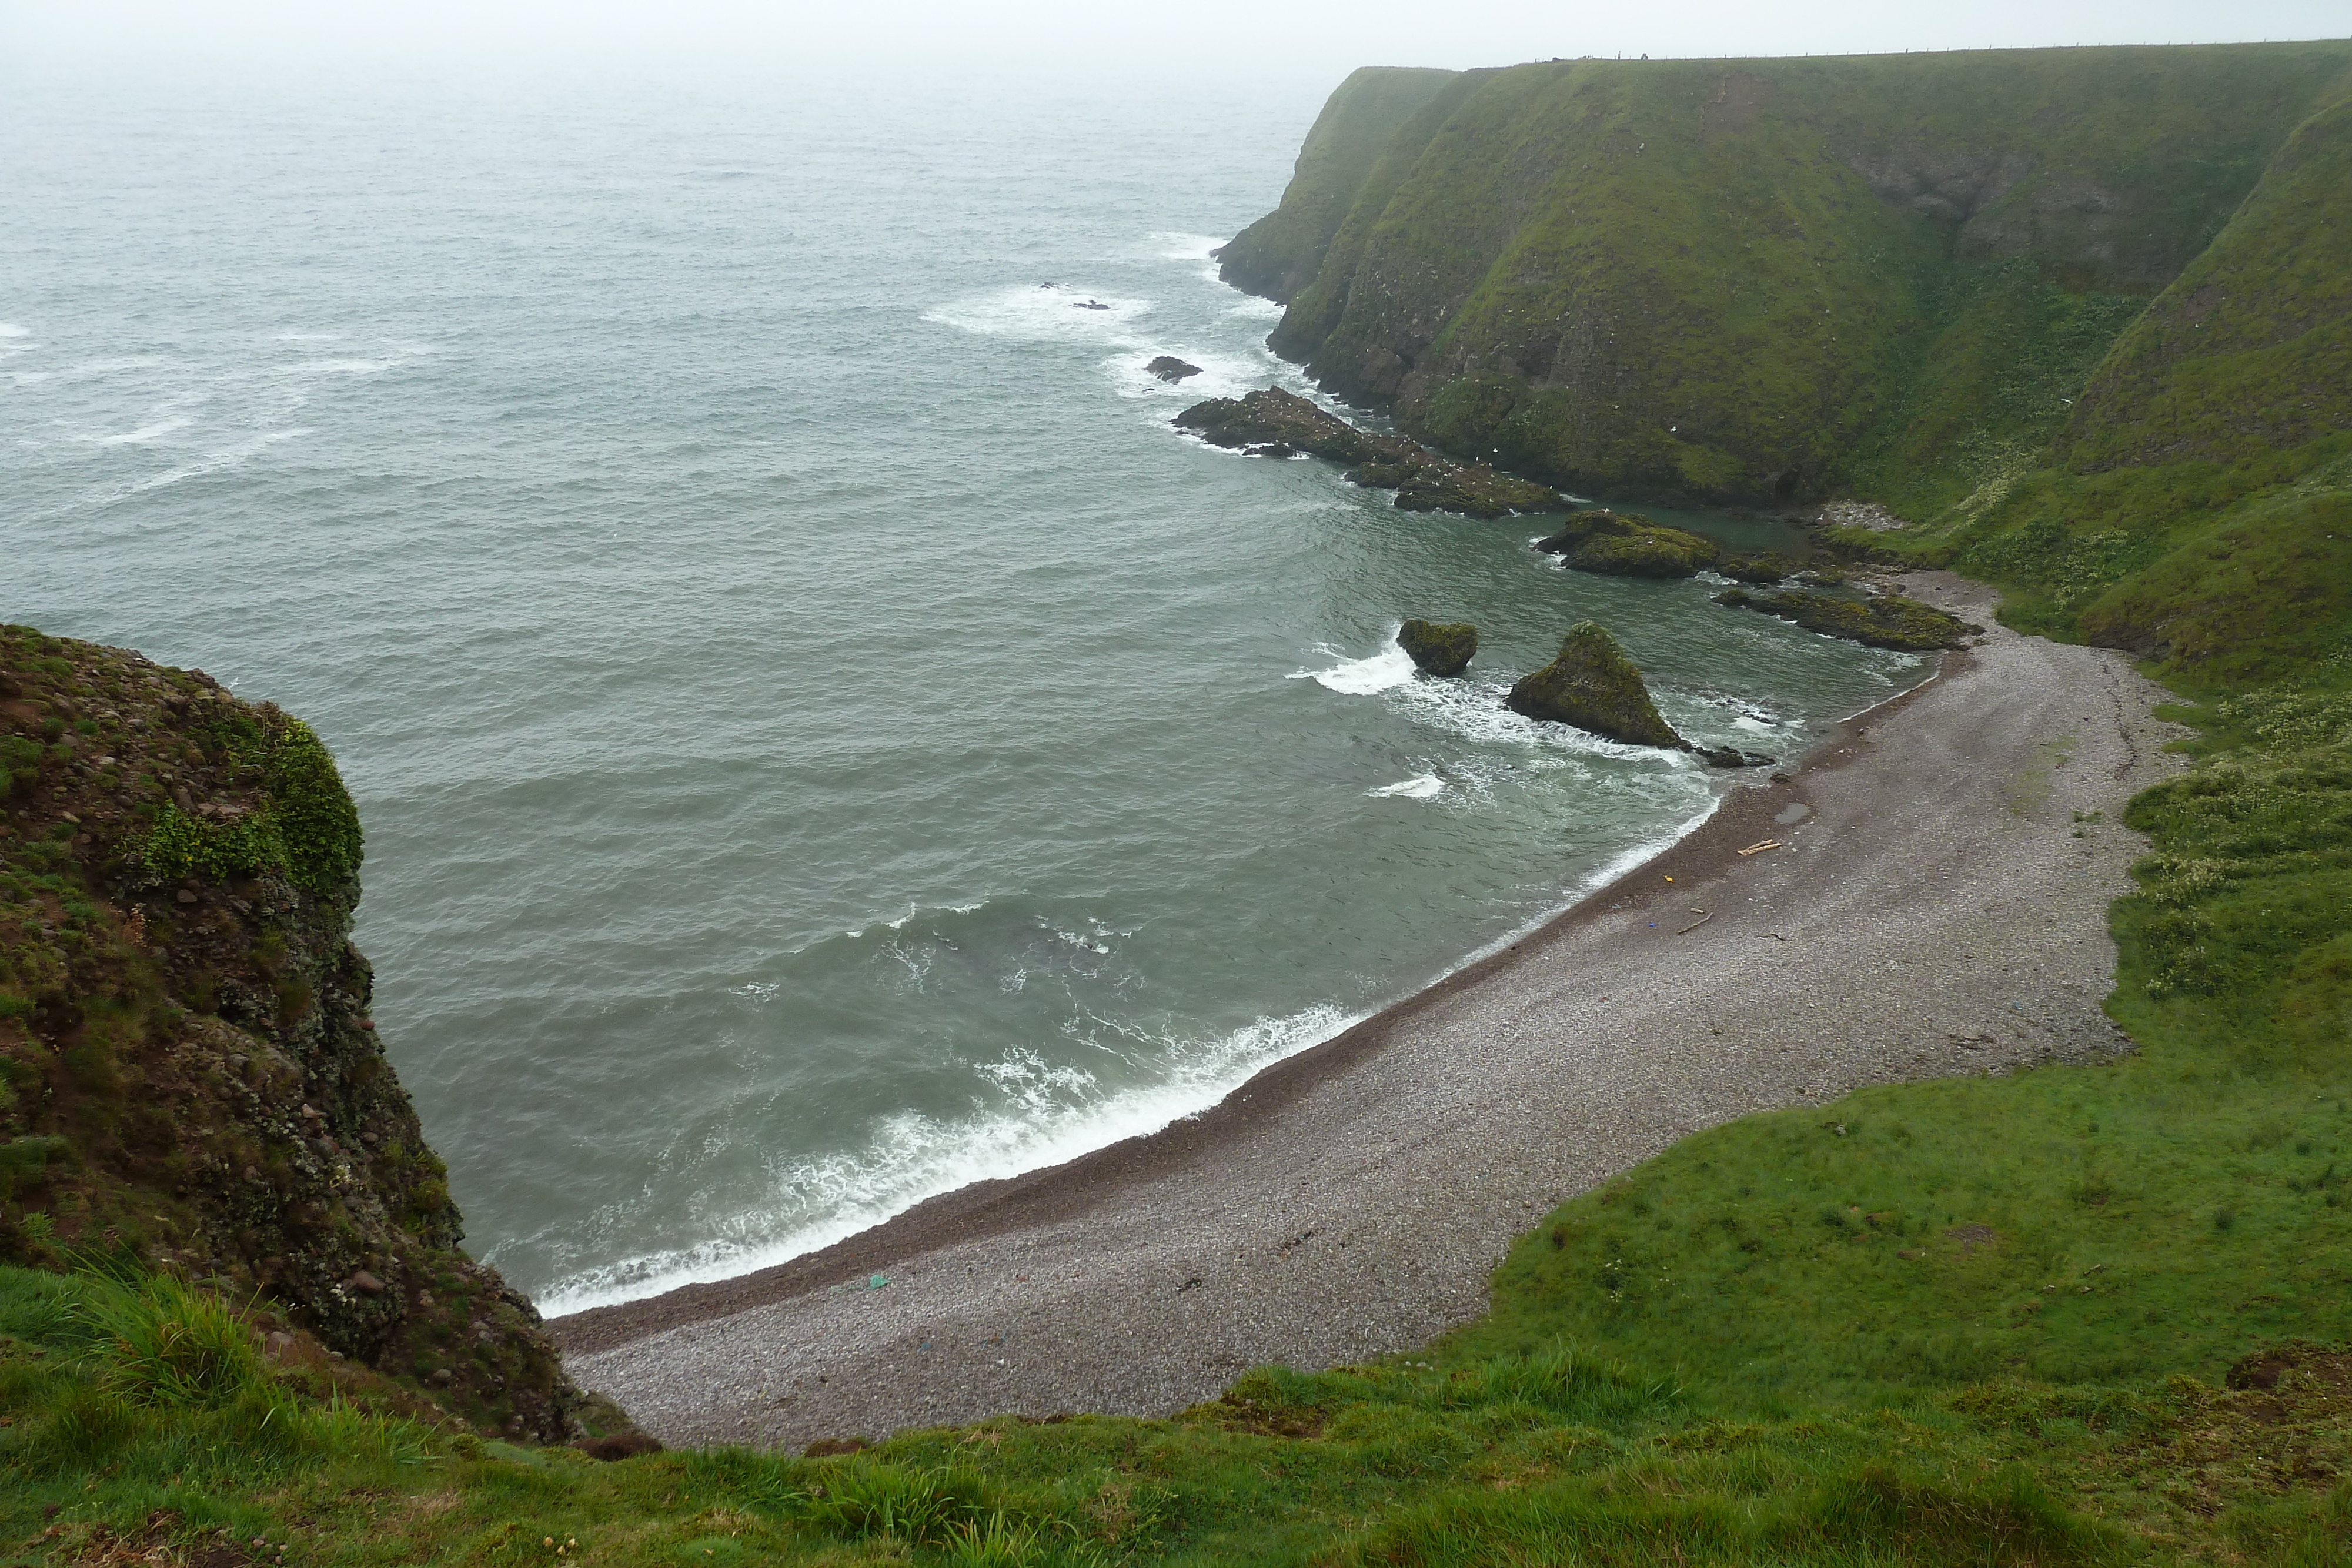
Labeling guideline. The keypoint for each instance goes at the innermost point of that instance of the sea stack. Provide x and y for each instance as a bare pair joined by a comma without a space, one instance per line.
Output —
1593,685
1440,647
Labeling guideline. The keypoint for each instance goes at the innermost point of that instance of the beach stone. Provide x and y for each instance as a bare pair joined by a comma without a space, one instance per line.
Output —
1440,647
1594,686
1169,368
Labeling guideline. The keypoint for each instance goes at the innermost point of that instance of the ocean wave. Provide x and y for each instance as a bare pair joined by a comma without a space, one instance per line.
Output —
1222,374
1049,1114
1419,787
1046,313
1171,245
144,434
1392,666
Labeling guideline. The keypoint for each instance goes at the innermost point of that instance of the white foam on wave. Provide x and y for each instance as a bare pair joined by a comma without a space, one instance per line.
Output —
144,434
234,455
1419,787
1048,1115
1048,313
1172,246
1390,666
1222,374
10,329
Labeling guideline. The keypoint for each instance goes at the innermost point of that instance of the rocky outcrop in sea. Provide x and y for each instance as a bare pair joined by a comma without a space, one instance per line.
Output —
1440,647
1626,544
1883,621
1276,424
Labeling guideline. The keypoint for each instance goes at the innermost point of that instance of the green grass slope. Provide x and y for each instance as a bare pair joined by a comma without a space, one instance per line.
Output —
1761,278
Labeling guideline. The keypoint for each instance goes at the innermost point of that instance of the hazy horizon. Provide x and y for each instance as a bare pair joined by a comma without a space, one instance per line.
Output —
1053,38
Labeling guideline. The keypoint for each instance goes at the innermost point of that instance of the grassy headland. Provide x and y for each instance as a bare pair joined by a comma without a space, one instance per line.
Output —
2075,1315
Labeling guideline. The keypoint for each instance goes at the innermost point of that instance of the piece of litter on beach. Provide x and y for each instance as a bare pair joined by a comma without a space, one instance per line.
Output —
876,1281
1670,879
1759,848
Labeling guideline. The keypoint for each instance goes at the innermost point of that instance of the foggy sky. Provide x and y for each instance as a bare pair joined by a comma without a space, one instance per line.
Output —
1317,37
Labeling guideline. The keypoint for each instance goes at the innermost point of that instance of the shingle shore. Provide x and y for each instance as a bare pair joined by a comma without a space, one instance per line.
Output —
1933,913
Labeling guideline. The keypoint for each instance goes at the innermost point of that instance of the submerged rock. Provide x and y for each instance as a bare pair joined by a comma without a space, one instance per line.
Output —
1423,481
1888,621
1732,757
1626,544
1440,647
1593,685
1169,368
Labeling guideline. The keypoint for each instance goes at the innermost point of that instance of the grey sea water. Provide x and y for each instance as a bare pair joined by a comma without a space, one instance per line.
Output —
822,736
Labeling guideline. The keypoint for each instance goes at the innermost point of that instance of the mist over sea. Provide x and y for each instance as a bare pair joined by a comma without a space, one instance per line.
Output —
824,737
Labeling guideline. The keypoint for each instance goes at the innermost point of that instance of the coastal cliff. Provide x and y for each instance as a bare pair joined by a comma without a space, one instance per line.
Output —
189,1079
1743,280
2076,321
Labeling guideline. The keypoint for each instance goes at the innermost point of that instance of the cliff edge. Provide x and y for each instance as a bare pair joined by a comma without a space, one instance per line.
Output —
189,1078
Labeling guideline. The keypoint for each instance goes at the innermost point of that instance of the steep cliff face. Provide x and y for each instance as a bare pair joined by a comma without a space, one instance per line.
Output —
1769,279
188,1072
1282,252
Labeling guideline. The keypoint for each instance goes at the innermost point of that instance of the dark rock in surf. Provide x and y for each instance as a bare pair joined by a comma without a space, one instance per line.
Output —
1440,647
1423,481
1089,305
1594,686
1731,757
1169,368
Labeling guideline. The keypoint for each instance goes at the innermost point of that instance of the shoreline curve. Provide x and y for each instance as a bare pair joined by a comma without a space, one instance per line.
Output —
1352,1199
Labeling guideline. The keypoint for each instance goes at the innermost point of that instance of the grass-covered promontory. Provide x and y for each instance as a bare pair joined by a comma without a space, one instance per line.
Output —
1773,279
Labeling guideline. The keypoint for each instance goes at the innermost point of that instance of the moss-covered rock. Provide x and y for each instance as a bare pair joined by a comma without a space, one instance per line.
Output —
1593,685
1626,544
1275,423
1767,567
1887,621
188,1072
1440,647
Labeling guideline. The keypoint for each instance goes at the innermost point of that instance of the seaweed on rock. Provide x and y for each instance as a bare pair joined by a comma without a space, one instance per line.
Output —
1594,686
1440,647
1887,621
1627,544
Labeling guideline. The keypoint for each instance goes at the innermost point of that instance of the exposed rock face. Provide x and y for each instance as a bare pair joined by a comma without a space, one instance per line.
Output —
188,1067
1422,480
1888,621
1630,545
1170,369
1440,647
1593,685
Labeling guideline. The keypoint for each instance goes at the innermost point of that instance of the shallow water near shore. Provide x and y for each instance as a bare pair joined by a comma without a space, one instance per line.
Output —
824,737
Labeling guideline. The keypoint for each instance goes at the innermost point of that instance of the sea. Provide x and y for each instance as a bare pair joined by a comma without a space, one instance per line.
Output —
824,736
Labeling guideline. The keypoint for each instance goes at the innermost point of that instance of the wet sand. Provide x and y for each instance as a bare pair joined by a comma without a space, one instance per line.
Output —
1934,912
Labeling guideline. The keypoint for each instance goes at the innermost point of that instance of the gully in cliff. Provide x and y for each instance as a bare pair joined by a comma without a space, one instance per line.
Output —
189,1077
